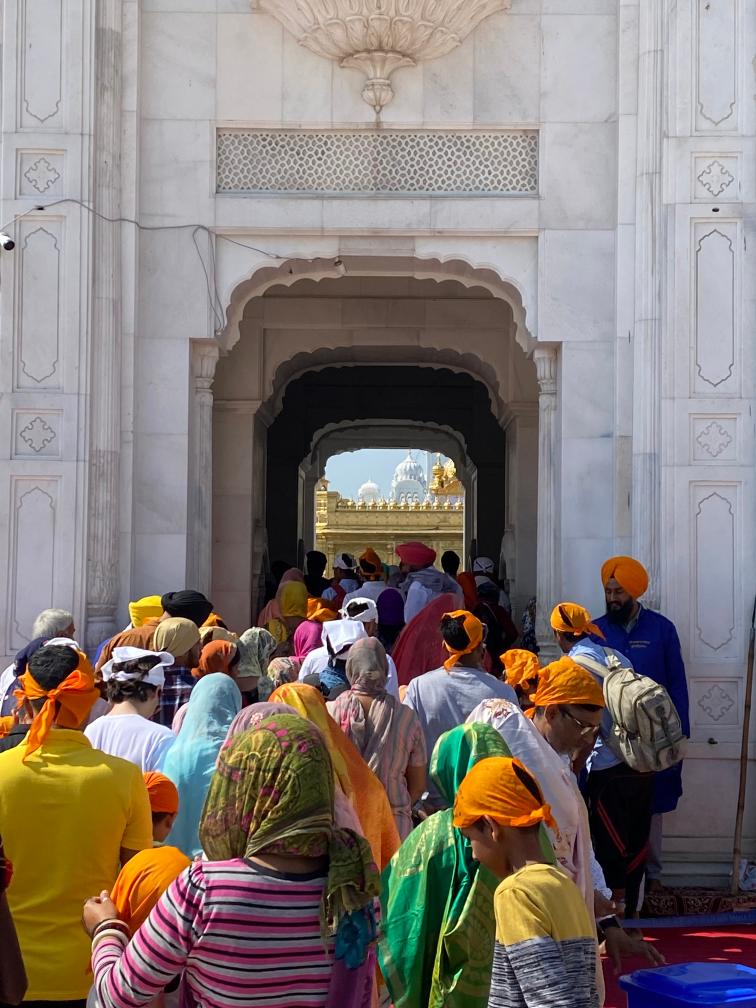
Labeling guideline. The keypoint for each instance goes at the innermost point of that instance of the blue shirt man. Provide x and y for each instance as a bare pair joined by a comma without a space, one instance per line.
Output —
651,643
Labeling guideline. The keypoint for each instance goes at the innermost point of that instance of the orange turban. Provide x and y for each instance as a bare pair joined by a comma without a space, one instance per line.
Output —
571,618
66,704
372,558
320,611
143,880
162,792
566,682
521,666
496,787
473,629
628,573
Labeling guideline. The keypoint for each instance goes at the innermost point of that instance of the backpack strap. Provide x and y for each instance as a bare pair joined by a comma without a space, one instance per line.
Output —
591,665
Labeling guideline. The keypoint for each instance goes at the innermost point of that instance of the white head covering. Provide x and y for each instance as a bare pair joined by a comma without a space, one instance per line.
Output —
154,677
65,641
369,615
341,634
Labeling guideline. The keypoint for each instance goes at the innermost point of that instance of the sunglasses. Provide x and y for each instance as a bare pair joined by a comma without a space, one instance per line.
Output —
586,730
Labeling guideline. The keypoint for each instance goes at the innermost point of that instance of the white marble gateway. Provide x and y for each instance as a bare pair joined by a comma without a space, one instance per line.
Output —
559,203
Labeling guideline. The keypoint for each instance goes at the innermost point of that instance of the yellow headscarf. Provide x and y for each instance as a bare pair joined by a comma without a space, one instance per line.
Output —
474,630
149,607
292,599
503,790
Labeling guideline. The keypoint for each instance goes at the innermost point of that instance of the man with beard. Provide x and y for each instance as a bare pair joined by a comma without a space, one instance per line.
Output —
650,641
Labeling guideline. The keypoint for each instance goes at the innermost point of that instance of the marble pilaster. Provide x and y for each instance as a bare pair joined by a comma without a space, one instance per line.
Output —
105,373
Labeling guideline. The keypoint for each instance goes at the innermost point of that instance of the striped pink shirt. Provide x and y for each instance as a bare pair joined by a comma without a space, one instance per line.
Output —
240,936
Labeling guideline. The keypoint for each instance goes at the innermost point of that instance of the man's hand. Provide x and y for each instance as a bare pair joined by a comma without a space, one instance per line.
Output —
98,909
619,945
602,907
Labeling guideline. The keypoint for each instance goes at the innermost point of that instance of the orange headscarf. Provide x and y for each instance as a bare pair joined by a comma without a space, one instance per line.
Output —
162,792
494,788
521,666
214,620
216,656
466,581
473,629
143,880
320,611
566,682
371,557
571,618
7,724
357,780
66,705
628,573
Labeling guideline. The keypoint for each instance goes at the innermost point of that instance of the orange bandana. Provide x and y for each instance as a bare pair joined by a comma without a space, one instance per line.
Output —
566,682
571,618
521,666
473,629
628,573
319,611
162,792
67,704
494,788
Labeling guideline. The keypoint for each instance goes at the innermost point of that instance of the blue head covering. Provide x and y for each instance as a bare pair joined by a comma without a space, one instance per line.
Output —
190,763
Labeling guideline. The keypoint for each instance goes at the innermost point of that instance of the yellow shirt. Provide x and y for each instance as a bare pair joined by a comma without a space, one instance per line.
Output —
545,949
64,815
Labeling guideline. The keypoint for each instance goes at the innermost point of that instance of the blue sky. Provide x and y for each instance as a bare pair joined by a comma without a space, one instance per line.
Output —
347,472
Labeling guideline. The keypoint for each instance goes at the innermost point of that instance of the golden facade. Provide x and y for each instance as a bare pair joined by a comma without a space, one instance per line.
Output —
345,525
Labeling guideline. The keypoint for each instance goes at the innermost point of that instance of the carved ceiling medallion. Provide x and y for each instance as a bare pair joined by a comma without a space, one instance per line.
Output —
380,36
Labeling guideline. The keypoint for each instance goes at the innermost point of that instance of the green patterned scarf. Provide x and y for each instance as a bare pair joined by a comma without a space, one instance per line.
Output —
273,792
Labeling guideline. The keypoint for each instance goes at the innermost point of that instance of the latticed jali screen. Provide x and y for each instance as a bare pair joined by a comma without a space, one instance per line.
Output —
381,162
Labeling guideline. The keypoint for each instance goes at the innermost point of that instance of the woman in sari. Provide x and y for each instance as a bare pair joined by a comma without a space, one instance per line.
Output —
386,733
283,670
218,656
358,782
190,762
437,934
271,841
307,637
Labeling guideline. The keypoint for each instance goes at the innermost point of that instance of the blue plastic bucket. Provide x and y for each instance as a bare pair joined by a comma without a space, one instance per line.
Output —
714,985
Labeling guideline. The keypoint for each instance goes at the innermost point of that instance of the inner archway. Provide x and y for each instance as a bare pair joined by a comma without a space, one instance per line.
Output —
369,359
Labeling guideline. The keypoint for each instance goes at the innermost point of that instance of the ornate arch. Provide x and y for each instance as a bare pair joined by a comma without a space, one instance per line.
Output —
289,271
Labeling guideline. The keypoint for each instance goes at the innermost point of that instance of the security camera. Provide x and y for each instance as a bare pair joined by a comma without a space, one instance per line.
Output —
6,242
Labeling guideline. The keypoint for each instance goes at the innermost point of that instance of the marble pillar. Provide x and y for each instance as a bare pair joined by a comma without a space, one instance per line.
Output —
105,374
546,362
200,544
649,277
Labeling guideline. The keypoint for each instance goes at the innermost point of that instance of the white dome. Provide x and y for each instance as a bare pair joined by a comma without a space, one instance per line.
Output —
369,492
409,471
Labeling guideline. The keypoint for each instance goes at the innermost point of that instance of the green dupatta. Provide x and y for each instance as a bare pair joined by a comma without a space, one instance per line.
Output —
438,926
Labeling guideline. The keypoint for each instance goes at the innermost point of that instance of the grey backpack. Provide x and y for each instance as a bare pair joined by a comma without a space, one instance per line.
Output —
646,730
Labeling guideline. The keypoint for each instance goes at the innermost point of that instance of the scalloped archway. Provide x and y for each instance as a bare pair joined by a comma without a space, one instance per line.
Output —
311,360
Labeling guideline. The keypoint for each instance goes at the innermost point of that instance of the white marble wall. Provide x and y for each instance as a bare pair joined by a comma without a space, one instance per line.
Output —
637,248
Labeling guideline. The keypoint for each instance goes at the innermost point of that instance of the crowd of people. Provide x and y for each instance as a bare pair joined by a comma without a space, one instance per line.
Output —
373,796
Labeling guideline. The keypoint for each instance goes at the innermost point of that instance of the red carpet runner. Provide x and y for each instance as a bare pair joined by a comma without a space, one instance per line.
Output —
732,945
